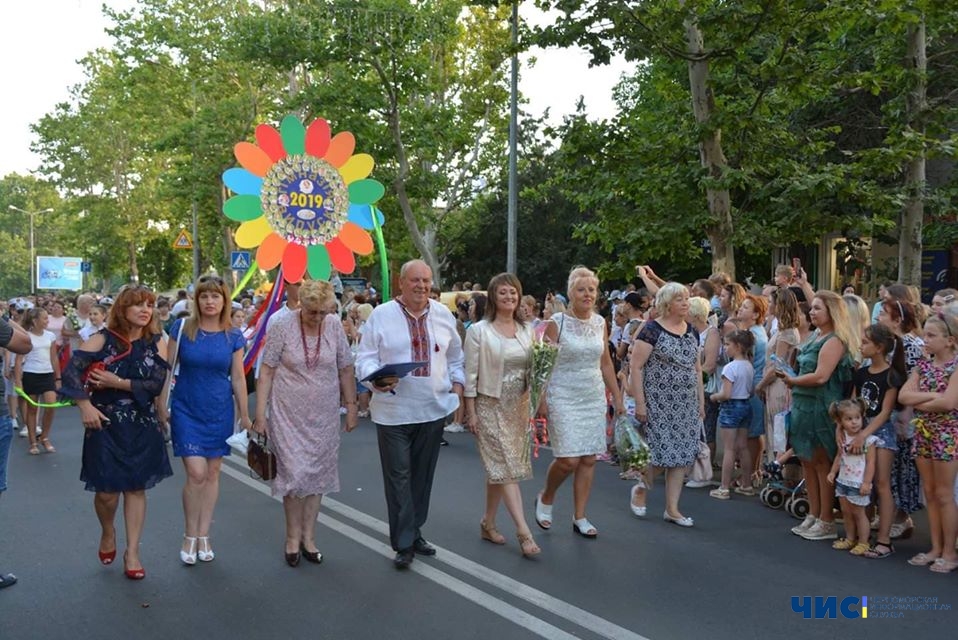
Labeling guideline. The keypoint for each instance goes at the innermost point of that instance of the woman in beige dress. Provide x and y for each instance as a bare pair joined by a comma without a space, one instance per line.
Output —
496,397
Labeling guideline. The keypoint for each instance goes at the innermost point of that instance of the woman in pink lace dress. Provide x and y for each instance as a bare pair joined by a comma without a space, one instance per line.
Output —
306,373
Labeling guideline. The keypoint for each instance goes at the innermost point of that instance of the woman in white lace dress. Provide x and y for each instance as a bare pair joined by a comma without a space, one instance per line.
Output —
575,403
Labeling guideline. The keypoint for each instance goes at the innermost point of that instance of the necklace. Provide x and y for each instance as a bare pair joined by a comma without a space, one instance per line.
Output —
311,361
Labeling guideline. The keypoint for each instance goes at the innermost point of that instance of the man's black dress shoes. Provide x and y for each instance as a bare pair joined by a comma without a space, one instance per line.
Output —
403,558
423,548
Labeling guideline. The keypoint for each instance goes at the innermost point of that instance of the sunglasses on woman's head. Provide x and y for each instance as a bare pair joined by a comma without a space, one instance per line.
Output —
215,279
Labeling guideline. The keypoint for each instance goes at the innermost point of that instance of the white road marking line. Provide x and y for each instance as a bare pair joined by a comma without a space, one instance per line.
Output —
580,617
509,612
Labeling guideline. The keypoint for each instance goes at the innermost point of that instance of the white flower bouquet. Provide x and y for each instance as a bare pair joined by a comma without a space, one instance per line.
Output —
633,451
544,355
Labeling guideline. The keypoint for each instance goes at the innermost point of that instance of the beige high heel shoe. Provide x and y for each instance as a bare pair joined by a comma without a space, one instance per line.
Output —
528,545
490,533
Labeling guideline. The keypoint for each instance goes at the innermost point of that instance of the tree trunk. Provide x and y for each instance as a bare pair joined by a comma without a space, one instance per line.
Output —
710,153
913,212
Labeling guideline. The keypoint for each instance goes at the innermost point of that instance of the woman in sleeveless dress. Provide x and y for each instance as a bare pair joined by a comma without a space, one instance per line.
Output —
824,371
575,403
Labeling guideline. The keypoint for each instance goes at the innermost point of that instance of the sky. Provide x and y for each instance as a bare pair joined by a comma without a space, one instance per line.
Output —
40,70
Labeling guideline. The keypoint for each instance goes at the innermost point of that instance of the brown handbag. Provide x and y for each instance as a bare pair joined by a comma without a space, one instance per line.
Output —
261,461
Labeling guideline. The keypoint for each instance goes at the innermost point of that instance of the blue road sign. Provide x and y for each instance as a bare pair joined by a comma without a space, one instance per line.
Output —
239,260
86,267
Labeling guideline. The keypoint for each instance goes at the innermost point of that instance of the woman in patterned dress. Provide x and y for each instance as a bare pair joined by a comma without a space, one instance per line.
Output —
123,449
496,399
575,403
306,375
666,380
900,314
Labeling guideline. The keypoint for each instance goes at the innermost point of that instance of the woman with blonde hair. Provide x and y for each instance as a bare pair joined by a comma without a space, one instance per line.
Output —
498,352
575,403
666,382
858,313
824,370
710,345
783,345
306,376
206,352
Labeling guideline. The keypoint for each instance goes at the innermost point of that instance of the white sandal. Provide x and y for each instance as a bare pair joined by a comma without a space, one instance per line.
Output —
637,511
543,514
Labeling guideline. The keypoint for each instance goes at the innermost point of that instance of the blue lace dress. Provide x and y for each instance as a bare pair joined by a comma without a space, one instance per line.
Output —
201,413
128,453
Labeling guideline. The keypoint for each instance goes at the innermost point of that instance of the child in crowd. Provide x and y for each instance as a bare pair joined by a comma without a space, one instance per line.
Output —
932,389
735,412
852,474
97,319
877,384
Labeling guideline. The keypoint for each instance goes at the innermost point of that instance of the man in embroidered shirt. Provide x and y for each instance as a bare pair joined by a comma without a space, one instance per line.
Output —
410,412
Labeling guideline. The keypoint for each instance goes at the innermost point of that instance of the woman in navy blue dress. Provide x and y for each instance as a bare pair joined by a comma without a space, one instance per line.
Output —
206,352
116,377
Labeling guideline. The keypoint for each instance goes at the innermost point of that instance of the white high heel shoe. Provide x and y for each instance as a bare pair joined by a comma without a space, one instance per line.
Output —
639,512
204,551
189,557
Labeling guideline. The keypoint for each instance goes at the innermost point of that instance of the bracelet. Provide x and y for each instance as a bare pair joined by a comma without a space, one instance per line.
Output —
58,379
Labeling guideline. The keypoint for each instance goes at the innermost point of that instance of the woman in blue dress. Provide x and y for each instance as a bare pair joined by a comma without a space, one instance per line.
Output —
206,352
116,377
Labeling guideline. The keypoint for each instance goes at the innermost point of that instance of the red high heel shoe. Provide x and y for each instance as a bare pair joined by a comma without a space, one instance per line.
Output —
106,557
133,574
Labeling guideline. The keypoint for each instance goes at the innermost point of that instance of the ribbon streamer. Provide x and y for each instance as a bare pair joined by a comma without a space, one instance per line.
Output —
45,405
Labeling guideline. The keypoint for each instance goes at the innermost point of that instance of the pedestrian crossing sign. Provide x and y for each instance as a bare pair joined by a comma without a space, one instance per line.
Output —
239,260
183,240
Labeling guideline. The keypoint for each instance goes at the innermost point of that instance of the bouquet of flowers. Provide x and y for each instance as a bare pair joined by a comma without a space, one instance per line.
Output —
633,451
544,356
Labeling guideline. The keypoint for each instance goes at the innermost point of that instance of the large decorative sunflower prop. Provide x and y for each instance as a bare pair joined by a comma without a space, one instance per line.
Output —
303,199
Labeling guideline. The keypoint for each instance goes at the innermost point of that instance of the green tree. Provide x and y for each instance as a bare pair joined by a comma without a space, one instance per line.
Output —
420,84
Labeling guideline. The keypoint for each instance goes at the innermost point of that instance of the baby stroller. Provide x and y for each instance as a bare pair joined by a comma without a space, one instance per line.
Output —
783,490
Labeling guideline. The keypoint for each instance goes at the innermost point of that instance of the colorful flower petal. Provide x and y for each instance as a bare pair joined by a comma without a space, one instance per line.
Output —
270,142
318,262
340,255
317,139
294,136
360,214
252,158
243,208
294,262
242,182
366,191
357,167
270,252
356,239
340,148
250,234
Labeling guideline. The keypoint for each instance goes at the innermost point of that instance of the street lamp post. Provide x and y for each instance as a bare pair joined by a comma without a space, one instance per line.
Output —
33,257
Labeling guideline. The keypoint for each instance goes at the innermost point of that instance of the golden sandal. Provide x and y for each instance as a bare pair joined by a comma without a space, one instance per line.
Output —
859,549
528,545
490,533
843,544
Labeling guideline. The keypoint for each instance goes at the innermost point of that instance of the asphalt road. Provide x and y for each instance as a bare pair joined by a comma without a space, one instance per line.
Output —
731,577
